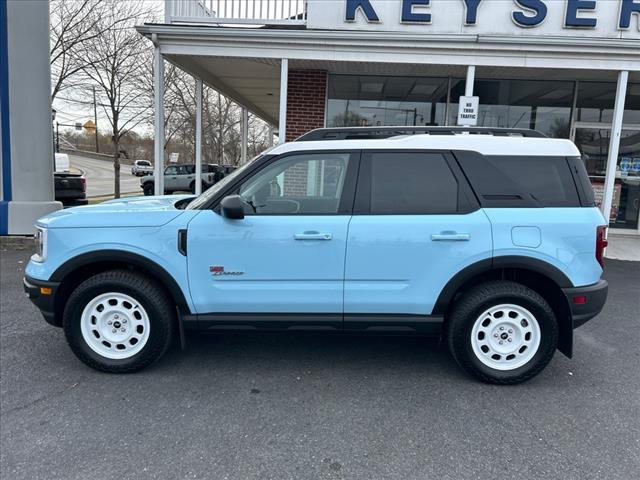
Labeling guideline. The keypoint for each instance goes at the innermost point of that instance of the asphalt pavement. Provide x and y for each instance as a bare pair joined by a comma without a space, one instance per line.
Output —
314,406
100,178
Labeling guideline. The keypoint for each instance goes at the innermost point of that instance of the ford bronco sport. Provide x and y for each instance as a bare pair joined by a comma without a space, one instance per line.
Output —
488,238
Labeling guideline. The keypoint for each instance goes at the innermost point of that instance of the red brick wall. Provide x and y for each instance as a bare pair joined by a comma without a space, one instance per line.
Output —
306,94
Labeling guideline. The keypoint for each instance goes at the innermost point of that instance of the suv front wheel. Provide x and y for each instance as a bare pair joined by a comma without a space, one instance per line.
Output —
119,321
502,332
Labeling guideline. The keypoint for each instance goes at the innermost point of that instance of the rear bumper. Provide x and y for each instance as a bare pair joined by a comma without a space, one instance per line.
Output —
586,302
46,303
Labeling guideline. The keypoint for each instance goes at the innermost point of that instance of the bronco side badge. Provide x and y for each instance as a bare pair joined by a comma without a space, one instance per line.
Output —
218,270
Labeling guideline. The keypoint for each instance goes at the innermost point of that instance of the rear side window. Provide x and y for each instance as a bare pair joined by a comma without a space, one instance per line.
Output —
520,181
404,183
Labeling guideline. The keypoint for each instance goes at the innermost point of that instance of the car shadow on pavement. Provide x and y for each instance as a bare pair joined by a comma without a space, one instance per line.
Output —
313,351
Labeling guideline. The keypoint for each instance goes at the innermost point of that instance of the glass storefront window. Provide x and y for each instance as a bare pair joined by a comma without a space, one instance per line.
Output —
596,101
538,104
368,100
632,105
593,143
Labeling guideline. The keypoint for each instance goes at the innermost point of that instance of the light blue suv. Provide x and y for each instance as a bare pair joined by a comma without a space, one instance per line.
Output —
486,237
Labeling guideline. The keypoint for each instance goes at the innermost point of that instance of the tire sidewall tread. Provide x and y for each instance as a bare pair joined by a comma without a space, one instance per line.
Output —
465,312
151,296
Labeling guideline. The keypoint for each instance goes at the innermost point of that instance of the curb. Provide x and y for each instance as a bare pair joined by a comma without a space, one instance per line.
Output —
16,242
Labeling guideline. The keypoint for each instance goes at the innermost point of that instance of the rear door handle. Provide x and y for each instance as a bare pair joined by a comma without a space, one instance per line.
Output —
312,236
451,237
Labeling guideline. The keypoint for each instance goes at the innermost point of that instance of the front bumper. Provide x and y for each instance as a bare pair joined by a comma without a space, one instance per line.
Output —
586,302
36,290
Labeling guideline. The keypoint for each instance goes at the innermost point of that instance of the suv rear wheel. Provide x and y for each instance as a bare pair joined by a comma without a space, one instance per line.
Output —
192,187
502,332
119,321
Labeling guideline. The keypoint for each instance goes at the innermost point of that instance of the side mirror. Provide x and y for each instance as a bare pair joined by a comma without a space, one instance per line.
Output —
232,207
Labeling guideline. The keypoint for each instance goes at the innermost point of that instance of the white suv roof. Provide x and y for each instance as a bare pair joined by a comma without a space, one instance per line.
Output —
483,144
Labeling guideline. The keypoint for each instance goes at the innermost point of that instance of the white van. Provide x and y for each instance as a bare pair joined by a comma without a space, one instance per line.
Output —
62,162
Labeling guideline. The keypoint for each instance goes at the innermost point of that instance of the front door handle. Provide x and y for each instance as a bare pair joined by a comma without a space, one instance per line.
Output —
450,236
312,236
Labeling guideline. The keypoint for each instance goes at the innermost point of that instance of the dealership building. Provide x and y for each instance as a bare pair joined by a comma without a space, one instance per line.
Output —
568,68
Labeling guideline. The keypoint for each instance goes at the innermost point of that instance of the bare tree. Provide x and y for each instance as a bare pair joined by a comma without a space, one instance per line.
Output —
73,24
221,119
114,61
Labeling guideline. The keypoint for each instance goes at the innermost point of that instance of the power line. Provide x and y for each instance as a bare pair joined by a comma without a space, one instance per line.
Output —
105,105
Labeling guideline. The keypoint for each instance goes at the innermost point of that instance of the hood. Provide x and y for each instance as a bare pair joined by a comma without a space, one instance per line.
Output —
123,212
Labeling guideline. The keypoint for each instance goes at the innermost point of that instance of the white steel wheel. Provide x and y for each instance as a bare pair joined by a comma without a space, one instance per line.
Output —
505,337
115,325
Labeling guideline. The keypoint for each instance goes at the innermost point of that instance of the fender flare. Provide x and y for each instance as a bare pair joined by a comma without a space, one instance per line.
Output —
130,258
496,263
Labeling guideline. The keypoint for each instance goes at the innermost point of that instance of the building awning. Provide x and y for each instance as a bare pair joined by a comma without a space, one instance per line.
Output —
244,63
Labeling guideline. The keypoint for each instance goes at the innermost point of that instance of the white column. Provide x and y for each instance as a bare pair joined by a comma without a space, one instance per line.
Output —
245,136
270,134
198,136
158,142
614,143
471,76
284,81
168,11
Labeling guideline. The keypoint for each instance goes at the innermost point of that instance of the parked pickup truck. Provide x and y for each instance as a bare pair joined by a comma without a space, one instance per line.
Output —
70,188
182,178
141,168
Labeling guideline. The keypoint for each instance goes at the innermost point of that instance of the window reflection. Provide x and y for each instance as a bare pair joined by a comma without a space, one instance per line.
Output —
596,101
367,100
593,144
537,104
544,105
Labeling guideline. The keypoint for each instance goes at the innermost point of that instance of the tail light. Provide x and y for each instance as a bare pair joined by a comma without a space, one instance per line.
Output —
84,184
601,243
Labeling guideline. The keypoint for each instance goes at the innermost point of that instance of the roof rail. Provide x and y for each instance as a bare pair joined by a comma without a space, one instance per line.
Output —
365,133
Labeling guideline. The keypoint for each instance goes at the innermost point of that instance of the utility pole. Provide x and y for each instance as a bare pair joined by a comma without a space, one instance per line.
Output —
57,137
95,118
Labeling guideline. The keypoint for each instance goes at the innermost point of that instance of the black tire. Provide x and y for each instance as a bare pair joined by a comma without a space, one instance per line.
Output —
460,322
148,189
151,296
192,187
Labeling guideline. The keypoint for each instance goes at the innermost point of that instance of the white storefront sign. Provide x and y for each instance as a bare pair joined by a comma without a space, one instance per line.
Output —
468,111
568,18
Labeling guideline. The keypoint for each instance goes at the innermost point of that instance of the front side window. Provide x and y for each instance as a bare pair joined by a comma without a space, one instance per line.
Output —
172,170
404,183
307,184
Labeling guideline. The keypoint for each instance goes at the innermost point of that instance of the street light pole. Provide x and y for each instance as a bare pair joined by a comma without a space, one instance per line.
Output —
95,118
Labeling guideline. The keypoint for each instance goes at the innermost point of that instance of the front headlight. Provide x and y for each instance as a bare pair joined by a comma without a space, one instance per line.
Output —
41,244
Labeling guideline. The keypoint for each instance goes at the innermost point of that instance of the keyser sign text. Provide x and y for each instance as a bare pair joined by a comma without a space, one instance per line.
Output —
604,18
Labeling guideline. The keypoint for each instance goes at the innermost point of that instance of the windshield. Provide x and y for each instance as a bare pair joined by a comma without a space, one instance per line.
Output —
211,192
143,163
